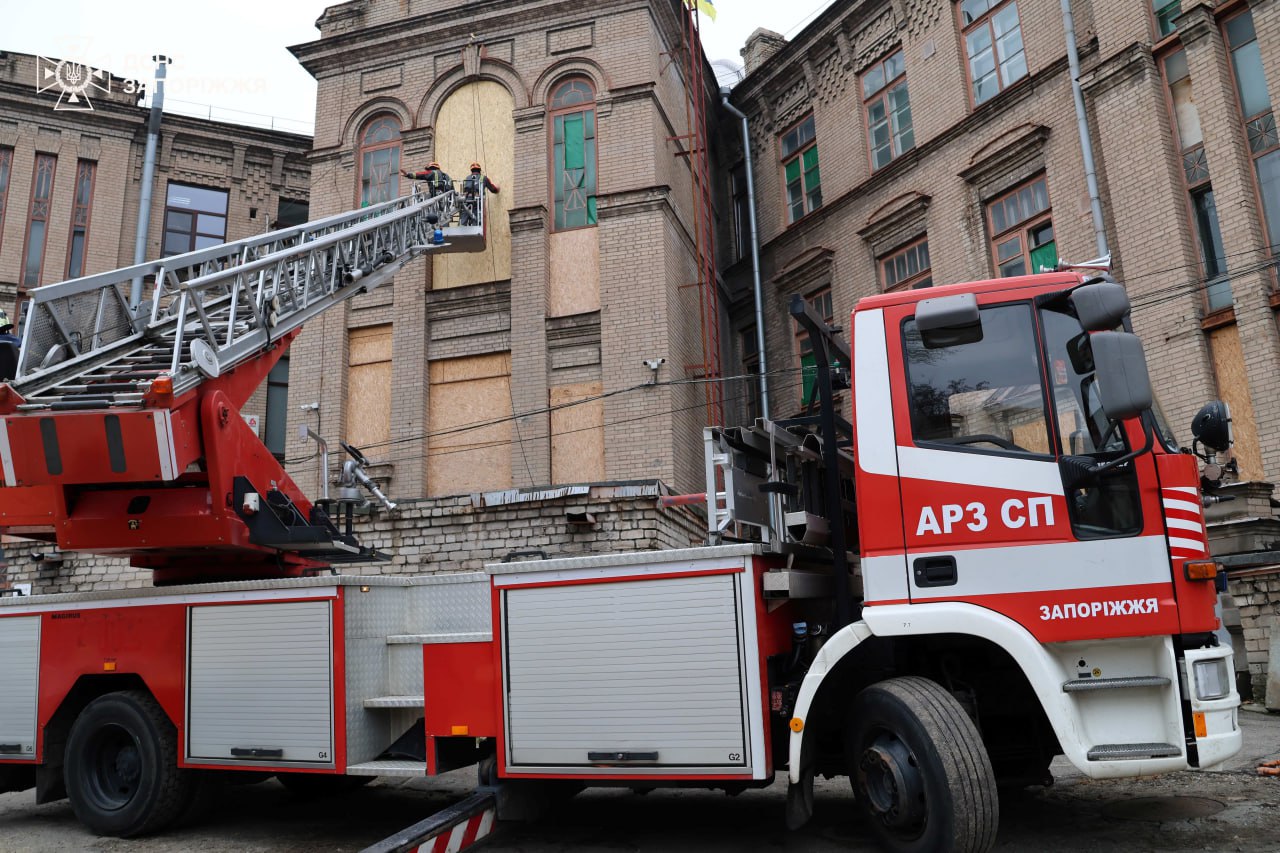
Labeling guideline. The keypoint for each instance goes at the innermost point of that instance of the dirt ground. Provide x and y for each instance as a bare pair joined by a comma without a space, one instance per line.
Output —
1229,810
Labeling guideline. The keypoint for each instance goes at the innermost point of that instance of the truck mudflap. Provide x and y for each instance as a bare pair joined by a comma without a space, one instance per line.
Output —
450,830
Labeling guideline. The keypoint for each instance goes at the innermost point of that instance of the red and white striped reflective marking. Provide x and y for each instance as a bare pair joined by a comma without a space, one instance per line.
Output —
461,836
1184,518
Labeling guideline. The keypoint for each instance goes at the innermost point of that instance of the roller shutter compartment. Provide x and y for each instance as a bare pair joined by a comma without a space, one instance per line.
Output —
19,680
619,676
261,683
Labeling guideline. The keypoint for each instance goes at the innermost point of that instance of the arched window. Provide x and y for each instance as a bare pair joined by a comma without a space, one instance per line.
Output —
573,156
379,160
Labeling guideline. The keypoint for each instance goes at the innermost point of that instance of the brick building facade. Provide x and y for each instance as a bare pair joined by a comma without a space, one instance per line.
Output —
523,365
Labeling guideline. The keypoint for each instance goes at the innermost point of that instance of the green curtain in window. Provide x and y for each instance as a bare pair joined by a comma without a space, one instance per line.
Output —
808,377
575,169
1044,257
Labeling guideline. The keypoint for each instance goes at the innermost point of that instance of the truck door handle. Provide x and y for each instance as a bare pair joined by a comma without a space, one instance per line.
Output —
935,571
256,752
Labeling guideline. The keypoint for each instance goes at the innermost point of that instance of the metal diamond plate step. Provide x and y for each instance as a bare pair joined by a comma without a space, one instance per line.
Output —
395,702
1123,751
1081,685
388,768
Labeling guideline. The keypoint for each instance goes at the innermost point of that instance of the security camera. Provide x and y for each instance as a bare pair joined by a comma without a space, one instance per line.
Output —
654,363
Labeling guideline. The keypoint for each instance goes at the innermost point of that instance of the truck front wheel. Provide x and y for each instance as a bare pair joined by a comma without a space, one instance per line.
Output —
919,770
121,767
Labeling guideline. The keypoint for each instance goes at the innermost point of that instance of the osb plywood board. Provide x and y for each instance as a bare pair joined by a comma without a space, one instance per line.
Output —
469,415
577,434
476,123
1233,388
369,344
369,403
471,367
574,283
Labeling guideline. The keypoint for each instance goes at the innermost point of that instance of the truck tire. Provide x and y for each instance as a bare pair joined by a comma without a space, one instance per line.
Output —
920,772
121,767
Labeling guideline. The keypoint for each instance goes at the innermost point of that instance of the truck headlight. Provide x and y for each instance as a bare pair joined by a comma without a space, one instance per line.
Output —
1212,681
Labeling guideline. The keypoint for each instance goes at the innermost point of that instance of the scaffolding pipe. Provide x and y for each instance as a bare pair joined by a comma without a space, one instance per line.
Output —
1082,122
148,179
755,250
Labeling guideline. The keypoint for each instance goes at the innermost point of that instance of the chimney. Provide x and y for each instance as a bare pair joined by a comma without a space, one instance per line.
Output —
761,45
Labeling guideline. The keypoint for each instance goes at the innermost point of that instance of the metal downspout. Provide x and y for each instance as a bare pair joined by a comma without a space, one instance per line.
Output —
1082,123
755,252
148,178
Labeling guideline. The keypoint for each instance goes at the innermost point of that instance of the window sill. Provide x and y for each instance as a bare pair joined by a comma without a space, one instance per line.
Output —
1218,319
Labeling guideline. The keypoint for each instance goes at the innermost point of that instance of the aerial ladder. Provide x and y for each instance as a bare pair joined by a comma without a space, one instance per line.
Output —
135,402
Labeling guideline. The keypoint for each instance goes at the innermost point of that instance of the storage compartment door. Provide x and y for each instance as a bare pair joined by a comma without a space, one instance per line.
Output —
610,677
19,679
261,683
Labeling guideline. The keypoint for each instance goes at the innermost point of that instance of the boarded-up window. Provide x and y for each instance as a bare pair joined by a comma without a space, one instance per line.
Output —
1233,387
469,412
476,124
369,386
577,433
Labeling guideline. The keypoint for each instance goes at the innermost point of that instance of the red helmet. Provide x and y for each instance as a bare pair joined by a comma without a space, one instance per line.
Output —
475,167
433,165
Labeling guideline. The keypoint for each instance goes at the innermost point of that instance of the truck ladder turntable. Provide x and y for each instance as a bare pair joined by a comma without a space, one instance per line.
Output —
137,406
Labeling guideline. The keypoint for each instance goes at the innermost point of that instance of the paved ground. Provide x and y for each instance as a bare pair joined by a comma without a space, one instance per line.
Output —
1241,812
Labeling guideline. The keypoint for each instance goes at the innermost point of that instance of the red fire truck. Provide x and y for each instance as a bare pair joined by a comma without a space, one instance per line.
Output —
979,549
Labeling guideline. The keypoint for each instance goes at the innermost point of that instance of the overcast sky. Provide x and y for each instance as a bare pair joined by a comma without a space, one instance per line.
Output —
232,55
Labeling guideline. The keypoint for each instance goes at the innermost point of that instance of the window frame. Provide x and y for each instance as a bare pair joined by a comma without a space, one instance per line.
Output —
194,233
1272,251
984,20
274,386
1047,407
911,282
1158,38
81,216
740,210
785,159
801,341
1193,189
363,148
38,210
1021,227
553,169
6,178
881,95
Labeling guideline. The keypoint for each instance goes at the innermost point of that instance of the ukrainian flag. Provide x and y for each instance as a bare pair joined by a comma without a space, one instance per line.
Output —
703,6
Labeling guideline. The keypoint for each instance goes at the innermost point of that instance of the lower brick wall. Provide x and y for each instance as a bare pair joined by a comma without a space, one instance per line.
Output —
1257,593
459,533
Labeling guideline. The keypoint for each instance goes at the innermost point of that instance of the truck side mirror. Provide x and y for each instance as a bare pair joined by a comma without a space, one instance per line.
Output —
1124,387
945,321
1100,306
1212,426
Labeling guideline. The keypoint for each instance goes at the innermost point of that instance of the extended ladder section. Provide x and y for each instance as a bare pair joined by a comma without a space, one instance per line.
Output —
120,432
209,310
